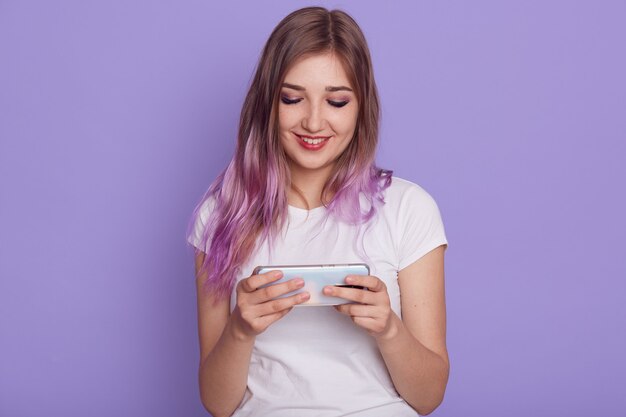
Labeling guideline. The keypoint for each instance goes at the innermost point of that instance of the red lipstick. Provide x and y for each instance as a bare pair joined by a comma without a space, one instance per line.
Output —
312,146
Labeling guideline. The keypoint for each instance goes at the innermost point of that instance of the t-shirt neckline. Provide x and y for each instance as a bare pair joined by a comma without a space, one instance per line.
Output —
303,213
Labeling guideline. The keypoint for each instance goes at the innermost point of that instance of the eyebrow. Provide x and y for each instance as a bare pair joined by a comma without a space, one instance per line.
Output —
329,88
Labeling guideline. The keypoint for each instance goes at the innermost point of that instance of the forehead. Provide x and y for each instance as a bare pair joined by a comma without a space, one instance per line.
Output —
317,70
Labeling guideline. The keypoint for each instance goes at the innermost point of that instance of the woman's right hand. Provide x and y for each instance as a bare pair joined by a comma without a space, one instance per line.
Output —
257,308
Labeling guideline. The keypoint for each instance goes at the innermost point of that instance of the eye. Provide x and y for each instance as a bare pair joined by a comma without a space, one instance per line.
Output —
338,103
288,101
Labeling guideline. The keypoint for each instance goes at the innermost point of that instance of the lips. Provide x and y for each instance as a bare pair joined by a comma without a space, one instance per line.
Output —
312,143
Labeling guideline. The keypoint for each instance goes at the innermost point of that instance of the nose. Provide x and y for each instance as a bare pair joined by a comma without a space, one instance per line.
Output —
313,121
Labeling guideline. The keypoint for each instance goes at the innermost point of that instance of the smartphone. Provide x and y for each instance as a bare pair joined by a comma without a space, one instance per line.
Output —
316,277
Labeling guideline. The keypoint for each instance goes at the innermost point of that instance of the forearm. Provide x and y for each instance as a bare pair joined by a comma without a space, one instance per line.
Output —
419,375
223,374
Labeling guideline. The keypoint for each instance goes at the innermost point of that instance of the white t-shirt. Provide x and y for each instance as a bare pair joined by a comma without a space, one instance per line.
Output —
315,361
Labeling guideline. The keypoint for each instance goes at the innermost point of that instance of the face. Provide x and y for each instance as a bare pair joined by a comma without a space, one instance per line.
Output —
317,113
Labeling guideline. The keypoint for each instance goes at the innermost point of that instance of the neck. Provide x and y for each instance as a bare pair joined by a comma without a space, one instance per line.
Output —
310,183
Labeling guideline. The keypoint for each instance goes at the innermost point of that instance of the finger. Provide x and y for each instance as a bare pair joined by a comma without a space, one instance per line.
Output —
273,291
367,323
369,281
253,282
264,322
352,294
275,306
358,310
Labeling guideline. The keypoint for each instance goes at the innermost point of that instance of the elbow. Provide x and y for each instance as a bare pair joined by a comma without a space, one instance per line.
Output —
213,406
209,407
213,411
216,407
436,398
426,409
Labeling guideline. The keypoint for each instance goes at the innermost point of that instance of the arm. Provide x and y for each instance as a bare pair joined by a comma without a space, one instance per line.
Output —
226,339
224,357
414,348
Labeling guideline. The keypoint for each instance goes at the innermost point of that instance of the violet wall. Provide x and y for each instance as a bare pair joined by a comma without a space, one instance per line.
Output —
115,116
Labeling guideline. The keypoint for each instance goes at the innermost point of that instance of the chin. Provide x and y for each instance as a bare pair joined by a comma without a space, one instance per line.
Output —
309,165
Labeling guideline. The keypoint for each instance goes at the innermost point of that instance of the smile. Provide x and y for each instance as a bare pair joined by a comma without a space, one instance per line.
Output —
312,143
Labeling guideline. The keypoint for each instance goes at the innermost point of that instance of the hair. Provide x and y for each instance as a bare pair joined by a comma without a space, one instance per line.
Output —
250,196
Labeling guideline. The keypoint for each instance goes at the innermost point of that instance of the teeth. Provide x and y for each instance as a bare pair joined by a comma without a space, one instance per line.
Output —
312,141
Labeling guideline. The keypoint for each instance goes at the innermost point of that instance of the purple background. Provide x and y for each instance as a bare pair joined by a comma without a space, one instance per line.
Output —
115,117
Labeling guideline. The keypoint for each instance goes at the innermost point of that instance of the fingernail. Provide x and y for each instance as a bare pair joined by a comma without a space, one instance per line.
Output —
277,273
349,279
299,281
304,295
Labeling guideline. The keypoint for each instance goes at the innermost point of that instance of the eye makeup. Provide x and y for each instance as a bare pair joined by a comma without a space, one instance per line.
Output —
338,104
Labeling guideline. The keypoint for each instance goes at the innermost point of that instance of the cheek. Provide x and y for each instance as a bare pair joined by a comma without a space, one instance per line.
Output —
286,140
286,117
345,124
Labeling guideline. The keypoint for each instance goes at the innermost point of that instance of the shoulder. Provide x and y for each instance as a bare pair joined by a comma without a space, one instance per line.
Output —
414,219
403,194
204,209
198,223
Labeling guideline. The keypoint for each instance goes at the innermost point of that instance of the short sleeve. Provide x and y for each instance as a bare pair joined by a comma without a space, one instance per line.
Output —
420,225
200,219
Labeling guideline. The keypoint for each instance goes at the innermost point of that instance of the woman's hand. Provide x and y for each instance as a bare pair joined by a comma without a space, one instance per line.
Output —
373,311
256,307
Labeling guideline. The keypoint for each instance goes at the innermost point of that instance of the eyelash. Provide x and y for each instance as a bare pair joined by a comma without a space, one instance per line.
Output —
337,104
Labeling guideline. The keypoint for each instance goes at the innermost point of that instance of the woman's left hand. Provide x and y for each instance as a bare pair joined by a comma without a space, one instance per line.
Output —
373,311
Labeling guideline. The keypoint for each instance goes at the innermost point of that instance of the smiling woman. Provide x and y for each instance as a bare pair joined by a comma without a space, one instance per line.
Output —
303,189
316,122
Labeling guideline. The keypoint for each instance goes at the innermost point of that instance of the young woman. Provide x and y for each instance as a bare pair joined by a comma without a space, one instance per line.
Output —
303,188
